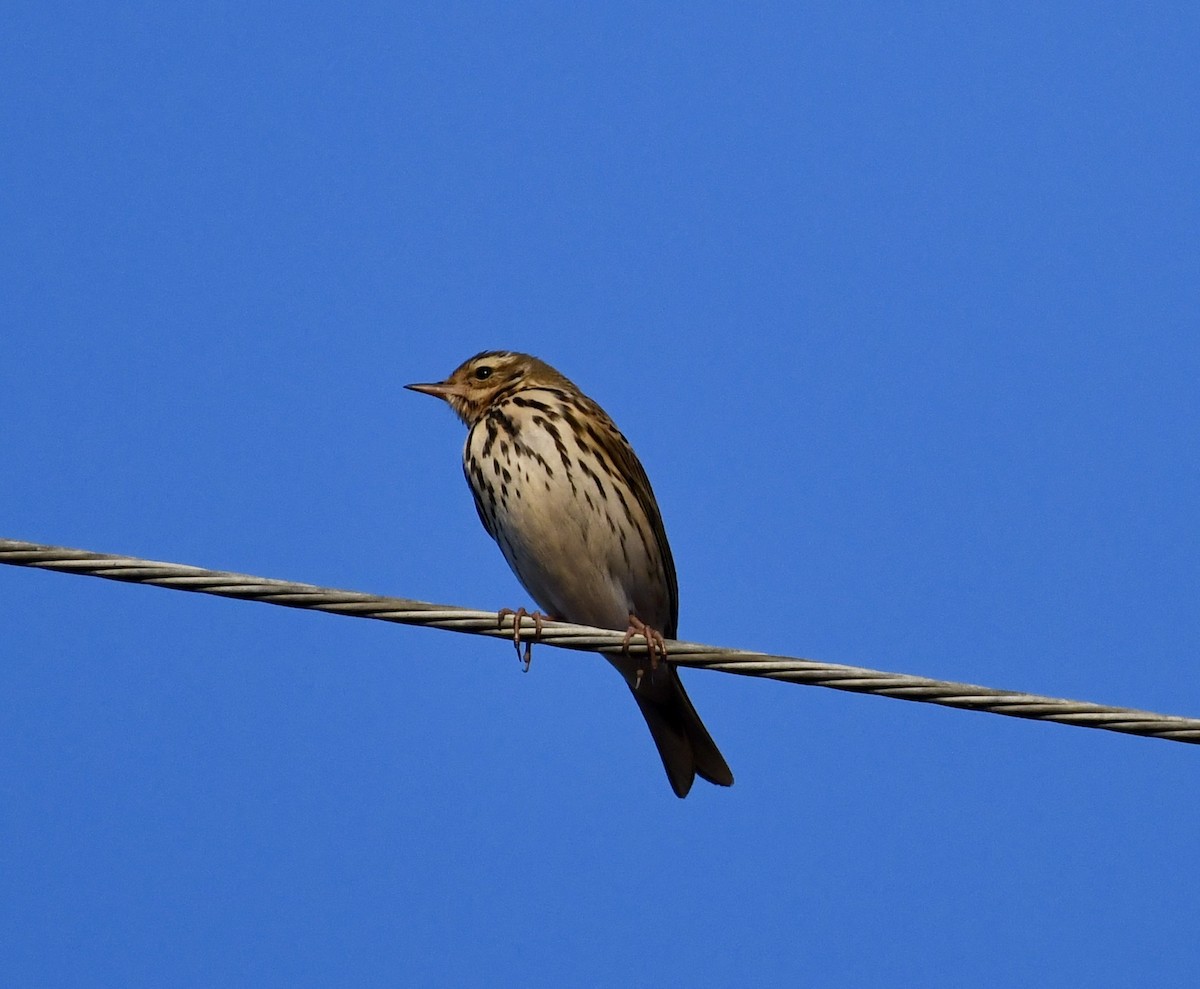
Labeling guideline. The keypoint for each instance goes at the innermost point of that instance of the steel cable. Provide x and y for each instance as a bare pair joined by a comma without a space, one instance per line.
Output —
581,637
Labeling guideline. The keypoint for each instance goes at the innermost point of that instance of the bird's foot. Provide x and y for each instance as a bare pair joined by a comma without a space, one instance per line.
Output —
516,616
656,646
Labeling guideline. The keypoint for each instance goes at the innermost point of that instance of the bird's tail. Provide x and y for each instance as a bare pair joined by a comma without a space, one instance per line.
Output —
683,742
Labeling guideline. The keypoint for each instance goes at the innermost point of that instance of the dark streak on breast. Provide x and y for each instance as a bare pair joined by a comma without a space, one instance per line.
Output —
586,470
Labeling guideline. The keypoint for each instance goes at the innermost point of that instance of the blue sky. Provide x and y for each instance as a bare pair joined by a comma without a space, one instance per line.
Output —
900,310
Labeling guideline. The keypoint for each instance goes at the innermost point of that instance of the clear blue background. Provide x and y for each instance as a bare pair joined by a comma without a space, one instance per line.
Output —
901,311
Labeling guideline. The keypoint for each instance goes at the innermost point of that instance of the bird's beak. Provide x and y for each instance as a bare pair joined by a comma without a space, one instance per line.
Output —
438,389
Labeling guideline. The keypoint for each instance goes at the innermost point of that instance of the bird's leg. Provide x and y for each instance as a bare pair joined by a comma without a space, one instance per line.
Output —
517,615
656,646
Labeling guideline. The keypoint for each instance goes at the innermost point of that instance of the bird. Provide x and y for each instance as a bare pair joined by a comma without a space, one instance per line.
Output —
563,494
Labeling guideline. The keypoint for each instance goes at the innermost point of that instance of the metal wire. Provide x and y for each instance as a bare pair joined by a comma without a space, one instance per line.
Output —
581,637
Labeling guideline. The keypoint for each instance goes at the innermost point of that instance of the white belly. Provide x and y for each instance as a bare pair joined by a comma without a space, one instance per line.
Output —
561,538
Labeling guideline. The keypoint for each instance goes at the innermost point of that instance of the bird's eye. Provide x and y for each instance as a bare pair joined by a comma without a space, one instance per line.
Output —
482,373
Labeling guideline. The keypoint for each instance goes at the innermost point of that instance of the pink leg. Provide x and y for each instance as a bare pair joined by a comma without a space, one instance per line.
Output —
517,615
656,646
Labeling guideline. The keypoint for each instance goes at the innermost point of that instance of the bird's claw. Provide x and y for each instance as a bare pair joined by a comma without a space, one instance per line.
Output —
516,616
656,645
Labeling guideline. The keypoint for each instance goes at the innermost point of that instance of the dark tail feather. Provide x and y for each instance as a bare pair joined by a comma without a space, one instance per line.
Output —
683,742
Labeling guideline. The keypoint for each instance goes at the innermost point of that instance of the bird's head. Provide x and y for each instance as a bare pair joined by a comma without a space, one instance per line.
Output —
477,383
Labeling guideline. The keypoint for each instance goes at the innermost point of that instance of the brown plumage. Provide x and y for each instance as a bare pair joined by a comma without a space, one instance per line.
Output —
568,502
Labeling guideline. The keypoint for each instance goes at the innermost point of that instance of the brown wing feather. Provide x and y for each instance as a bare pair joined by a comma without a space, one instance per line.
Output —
626,461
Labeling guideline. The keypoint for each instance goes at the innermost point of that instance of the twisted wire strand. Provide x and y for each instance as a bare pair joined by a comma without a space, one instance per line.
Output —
789,669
